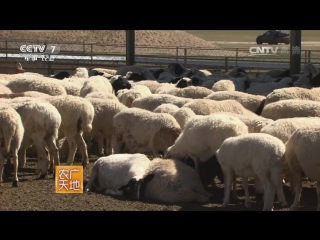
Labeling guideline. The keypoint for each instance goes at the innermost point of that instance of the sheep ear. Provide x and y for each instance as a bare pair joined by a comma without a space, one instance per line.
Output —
148,178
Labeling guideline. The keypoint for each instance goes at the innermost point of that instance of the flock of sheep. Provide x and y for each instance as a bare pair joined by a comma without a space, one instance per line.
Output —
195,126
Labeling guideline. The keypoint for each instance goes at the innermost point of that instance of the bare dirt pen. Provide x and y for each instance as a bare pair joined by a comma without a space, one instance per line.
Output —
39,195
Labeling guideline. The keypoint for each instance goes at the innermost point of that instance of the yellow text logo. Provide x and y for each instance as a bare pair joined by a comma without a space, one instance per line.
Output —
69,179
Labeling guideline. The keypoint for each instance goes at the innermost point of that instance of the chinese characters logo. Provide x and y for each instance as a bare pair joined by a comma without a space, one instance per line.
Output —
69,179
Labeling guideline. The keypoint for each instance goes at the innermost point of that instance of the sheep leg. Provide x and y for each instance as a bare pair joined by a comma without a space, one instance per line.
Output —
101,145
72,149
107,149
297,182
276,178
318,194
270,192
15,167
54,153
1,167
26,142
245,186
42,157
83,149
234,188
227,187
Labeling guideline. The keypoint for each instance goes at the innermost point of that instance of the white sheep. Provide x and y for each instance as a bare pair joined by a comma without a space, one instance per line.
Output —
254,124
41,122
169,181
165,87
127,96
76,117
152,85
188,92
32,94
11,132
183,116
208,106
166,108
96,84
33,83
257,155
115,171
81,73
302,156
223,85
203,135
284,128
71,88
254,103
296,93
106,71
102,124
101,95
291,109
155,100
4,89
144,131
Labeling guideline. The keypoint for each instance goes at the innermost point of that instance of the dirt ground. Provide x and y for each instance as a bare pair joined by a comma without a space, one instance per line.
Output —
39,195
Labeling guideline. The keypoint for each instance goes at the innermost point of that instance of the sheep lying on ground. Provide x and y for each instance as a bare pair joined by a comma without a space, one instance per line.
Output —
291,109
302,156
295,93
166,108
284,128
115,171
144,131
207,106
169,181
188,92
41,122
253,103
153,101
11,132
255,155
102,124
203,135
40,84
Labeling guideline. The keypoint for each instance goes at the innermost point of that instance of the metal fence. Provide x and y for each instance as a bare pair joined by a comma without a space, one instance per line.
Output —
98,55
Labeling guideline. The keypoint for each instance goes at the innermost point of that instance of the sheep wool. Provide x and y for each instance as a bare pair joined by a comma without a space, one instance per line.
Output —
144,131
188,92
166,108
174,182
291,109
155,100
258,155
302,156
183,116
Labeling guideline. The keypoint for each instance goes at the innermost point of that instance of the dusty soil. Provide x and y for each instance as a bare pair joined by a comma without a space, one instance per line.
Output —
37,195
148,42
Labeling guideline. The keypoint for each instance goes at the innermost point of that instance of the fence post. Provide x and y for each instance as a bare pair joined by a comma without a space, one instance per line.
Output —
309,57
236,57
177,54
91,53
84,48
49,67
305,57
226,64
6,50
185,56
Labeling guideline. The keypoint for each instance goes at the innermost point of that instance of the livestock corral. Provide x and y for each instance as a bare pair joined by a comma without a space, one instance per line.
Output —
169,139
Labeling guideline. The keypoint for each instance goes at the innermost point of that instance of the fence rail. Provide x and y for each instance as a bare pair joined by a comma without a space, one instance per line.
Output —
92,54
